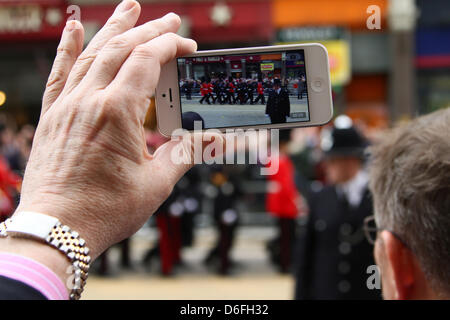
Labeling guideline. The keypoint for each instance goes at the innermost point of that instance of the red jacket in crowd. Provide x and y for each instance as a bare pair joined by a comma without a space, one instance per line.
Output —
260,88
282,196
9,184
204,88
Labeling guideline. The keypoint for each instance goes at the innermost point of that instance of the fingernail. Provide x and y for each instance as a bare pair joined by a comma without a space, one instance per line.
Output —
70,25
126,5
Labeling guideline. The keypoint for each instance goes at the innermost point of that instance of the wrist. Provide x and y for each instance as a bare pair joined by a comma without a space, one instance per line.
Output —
70,216
48,230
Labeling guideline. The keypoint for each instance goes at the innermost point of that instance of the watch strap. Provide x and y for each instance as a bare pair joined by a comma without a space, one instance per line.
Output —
49,230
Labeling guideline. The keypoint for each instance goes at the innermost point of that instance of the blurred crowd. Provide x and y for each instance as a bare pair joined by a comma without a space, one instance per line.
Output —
317,200
15,148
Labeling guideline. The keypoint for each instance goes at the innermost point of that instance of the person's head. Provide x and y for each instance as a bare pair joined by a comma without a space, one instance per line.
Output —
284,139
276,84
343,148
189,118
410,183
340,169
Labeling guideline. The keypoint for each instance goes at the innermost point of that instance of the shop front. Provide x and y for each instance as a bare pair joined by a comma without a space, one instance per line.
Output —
29,35
213,24
340,25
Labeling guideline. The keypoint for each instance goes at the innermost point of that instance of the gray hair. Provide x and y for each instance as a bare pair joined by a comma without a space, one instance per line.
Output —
410,183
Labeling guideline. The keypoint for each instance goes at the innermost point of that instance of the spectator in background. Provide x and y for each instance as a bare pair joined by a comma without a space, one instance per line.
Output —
332,254
9,148
24,140
9,187
301,87
11,160
282,202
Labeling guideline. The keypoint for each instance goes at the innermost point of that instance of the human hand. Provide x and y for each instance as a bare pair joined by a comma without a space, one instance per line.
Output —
89,165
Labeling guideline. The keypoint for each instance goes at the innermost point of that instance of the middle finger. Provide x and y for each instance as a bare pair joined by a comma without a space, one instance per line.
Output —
117,50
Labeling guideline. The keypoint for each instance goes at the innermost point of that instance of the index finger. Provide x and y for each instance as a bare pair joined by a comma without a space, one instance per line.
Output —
124,18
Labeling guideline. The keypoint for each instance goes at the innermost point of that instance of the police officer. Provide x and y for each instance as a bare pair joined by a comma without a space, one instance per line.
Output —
250,88
278,105
188,89
332,254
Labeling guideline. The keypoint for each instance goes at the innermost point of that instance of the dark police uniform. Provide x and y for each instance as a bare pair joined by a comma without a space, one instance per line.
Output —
333,254
278,106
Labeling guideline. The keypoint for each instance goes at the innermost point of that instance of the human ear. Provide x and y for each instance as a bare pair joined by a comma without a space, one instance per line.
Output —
398,266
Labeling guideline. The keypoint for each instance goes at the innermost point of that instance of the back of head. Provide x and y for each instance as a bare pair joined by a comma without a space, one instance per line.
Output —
410,183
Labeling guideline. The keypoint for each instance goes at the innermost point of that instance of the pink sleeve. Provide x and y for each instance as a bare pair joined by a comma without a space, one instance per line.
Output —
34,275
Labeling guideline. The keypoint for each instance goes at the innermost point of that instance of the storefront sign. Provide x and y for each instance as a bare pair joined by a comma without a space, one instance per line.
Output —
22,22
335,39
25,18
267,66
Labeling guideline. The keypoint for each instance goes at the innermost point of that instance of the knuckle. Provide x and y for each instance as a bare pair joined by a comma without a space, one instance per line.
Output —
57,76
145,52
108,103
117,42
115,23
63,51
110,108
85,58
171,35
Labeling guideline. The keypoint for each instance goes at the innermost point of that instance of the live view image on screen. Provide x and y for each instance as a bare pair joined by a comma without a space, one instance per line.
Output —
243,89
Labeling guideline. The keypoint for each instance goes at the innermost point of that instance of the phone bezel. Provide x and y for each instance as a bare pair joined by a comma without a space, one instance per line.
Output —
317,69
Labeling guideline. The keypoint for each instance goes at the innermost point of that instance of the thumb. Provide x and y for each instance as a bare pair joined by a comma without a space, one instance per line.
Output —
181,153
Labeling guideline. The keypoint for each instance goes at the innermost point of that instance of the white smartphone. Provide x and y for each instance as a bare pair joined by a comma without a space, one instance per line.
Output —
262,87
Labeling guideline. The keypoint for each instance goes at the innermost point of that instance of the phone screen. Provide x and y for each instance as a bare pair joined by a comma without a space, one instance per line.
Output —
241,90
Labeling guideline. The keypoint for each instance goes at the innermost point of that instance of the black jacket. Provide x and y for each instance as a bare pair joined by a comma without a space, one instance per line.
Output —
11,289
332,253
278,105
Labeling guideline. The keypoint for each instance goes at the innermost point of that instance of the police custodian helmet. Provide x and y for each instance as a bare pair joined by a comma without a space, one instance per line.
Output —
343,140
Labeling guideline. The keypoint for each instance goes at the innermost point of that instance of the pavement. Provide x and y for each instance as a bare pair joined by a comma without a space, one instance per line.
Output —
226,115
253,278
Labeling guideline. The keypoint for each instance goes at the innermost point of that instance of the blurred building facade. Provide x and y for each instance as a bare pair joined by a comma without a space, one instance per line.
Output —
364,62
433,55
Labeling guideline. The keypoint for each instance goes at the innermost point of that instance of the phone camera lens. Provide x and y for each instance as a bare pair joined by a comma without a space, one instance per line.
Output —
171,106
163,95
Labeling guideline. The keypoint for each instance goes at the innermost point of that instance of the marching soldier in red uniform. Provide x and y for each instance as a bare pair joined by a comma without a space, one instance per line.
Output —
206,90
260,91
230,91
